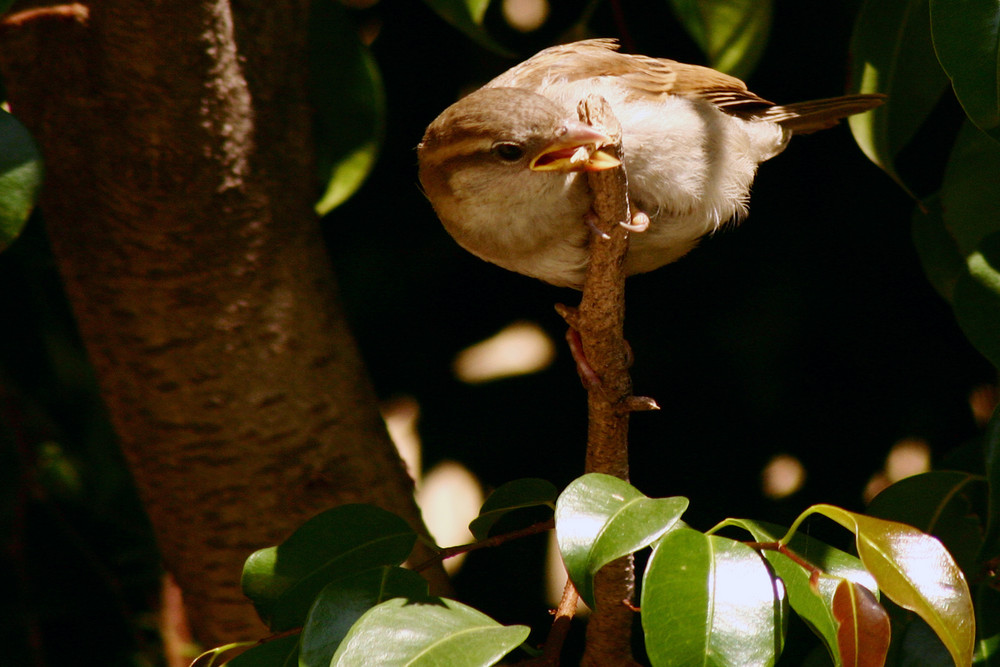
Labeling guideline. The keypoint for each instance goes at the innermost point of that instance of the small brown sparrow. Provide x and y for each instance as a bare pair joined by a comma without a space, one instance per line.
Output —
504,167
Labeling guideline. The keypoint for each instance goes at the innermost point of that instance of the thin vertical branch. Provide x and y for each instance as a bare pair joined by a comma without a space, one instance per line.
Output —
599,322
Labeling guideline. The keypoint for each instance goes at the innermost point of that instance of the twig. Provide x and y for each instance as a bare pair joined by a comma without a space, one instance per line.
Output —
600,324
496,540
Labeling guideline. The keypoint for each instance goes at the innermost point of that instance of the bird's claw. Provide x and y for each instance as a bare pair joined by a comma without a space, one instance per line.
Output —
640,222
592,219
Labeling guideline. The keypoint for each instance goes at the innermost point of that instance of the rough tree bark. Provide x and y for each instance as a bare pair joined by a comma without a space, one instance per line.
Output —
178,201
599,322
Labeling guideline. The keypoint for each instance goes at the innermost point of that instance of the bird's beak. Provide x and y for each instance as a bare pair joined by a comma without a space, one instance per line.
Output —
577,148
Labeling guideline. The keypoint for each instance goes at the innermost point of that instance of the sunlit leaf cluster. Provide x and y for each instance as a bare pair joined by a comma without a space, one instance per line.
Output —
335,593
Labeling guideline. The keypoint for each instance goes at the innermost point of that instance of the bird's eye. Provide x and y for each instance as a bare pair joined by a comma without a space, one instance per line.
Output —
508,151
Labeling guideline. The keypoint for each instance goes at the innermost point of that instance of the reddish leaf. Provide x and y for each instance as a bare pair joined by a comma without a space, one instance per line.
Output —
862,626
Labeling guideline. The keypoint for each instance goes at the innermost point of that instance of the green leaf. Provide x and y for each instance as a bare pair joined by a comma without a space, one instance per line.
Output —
942,261
600,518
347,94
812,601
991,540
731,33
20,177
467,16
967,40
283,581
341,603
862,626
916,572
512,496
426,633
281,652
988,625
940,504
213,656
892,53
970,194
970,199
976,300
708,600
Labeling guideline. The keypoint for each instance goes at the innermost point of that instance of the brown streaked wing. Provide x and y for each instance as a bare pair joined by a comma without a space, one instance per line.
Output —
647,76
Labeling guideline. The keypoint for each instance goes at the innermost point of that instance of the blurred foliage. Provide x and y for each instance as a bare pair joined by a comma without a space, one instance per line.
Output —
812,330
20,177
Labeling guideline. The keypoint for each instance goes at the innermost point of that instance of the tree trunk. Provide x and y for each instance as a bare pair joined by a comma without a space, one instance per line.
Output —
178,200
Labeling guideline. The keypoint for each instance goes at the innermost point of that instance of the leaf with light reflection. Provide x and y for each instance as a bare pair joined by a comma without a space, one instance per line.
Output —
862,626
915,571
892,53
731,34
434,631
705,596
811,600
600,518
940,503
20,177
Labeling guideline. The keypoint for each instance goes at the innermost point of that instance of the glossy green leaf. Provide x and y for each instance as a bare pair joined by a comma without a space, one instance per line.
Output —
976,300
862,626
892,53
940,504
708,600
341,603
283,581
970,197
215,656
512,496
812,601
731,33
600,518
970,191
942,261
347,94
280,652
967,41
991,540
988,625
20,177
426,633
916,572
467,16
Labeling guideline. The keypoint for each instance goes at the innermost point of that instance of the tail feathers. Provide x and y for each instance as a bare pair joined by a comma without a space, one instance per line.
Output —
806,117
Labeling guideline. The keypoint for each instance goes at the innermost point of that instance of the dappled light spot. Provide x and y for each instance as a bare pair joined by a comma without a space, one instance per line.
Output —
556,577
518,349
983,401
907,457
782,476
401,415
525,15
449,498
